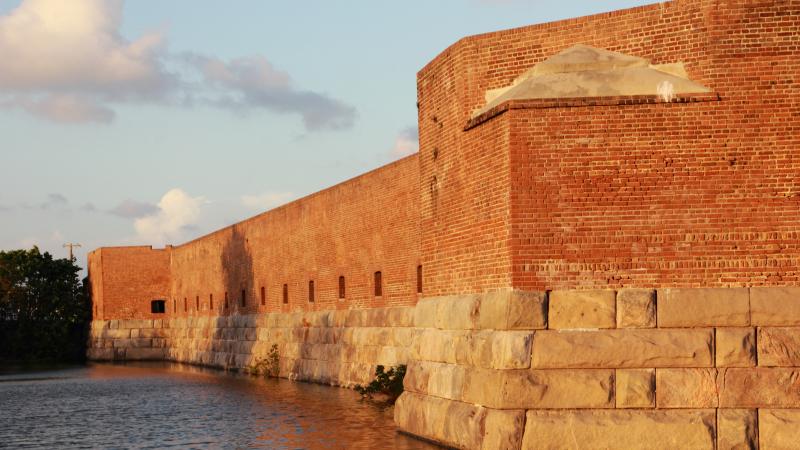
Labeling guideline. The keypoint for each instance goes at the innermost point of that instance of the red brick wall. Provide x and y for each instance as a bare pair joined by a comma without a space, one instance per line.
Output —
635,195
125,280
354,229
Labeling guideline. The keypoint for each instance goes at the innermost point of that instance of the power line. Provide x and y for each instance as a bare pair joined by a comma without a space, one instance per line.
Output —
71,245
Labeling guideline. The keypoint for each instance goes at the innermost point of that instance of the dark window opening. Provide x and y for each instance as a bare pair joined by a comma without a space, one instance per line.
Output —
378,284
311,291
211,301
197,303
341,287
244,298
263,296
185,305
419,279
174,305
285,294
226,299
158,306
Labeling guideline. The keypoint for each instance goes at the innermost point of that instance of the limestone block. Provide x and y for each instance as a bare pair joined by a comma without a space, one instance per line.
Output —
635,388
458,312
436,345
122,343
425,312
503,429
703,307
736,347
449,422
446,381
141,342
636,308
399,317
759,387
686,388
417,375
627,348
142,354
387,356
100,354
495,349
737,429
356,318
134,323
113,324
775,306
779,428
620,429
249,334
582,309
340,318
115,333
779,347
527,389
151,333
513,310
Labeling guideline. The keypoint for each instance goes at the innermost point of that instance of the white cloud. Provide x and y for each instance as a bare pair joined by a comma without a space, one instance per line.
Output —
133,209
177,213
406,143
267,200
66,61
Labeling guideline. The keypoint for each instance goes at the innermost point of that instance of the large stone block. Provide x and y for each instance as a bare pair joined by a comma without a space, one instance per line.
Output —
449,422
495,349
458,312
142,354
737,429
686,388
703,307
425,312
775,306
736,347
115,333
136,323
636,308
503,429
779,347
627,348
582,309
759,387
513,310
527,389
620,429
635,388
779,428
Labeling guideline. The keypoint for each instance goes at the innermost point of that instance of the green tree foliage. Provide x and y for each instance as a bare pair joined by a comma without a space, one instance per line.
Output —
44,311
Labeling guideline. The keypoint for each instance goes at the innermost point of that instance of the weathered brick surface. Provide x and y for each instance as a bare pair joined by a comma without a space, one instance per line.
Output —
686,388
759,388
623,348
737,429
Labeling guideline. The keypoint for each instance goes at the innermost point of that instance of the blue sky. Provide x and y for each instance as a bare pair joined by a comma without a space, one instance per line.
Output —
152,121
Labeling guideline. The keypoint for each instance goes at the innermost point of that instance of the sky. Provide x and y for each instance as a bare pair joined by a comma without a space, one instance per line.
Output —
152,122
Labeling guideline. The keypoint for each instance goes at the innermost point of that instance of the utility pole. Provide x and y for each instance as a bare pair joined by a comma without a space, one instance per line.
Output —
71,245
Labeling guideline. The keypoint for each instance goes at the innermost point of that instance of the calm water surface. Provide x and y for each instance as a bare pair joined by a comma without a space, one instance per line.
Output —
168,405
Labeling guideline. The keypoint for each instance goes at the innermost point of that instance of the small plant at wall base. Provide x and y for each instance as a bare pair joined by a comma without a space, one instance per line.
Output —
386,382
269,366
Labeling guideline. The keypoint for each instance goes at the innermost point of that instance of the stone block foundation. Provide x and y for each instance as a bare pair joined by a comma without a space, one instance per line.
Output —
662,368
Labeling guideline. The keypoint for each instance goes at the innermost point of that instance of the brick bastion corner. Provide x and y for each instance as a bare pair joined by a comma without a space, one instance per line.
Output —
597,246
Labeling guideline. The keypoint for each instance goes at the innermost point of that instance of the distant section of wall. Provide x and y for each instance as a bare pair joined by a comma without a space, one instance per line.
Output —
334,347
365,225
125,280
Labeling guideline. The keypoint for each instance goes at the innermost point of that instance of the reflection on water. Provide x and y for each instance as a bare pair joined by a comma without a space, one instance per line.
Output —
164,405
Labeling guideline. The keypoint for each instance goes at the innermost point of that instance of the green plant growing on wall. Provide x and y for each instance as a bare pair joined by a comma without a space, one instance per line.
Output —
386,382
269,366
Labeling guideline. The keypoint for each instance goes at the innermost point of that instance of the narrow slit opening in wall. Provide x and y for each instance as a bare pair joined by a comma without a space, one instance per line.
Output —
197,303
285,294
158,306
263,296
244,298
226,299
311,291
185,305
341,287
378,284
174,305
211,301
419,279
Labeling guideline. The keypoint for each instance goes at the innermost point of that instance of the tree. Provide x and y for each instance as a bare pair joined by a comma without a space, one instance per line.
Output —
44,311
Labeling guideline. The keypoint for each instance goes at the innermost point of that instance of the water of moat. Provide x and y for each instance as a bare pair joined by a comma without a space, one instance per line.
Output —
164,405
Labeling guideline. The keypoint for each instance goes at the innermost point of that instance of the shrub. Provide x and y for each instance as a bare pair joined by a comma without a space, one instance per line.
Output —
386,382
